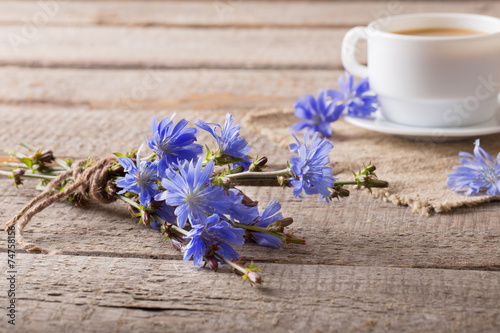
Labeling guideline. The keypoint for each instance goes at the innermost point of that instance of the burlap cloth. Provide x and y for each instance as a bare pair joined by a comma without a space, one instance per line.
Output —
416,170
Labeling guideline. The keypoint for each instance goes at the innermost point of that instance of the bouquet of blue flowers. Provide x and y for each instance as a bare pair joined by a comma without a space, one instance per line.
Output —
189,193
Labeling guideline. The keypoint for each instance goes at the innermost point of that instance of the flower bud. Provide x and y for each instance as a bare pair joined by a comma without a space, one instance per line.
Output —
339,192
283,181
17,174
254,277
258,165
175,239
367,170
285,222
237,169
212,262
176,242
261,162
280,225
146,217
131,209
43,156
378,183
46,156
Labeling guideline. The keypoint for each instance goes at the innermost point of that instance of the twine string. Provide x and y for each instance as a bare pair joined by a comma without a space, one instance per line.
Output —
90,182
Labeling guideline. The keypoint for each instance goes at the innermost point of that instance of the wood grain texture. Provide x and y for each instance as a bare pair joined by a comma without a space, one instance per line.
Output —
340,233
167,34
152,89
129,47
92,294
218,14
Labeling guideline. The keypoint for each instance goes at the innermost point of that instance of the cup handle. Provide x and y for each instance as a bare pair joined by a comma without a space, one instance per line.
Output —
348,54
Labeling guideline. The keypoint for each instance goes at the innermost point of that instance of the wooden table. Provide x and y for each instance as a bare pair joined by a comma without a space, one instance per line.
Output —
85,78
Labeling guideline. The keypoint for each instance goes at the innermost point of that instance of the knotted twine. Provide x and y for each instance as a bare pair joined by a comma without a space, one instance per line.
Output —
90,182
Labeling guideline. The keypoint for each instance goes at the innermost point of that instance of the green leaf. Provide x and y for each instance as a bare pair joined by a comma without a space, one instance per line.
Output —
119,154
208,156
28,161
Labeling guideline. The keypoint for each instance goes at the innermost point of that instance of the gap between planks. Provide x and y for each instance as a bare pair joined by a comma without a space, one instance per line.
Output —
93,254
166,67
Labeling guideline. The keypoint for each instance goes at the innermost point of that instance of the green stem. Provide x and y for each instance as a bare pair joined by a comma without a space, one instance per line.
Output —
249,175
156,217
28,146
150,157
51,170
253,228
260,229
221,161
29,175
17,155
14,165
284,239
62,163
345,182
129,201
367,184
174,227
232,264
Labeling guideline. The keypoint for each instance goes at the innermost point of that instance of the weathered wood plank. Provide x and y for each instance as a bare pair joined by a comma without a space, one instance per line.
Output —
150,44
66,293
78,131
129,47
227,13
338,234
160,89
342,233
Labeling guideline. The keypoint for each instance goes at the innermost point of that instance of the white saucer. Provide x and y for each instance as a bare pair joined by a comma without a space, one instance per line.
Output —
377,123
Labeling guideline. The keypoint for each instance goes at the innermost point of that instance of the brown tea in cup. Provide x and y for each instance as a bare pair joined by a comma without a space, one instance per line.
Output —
439,32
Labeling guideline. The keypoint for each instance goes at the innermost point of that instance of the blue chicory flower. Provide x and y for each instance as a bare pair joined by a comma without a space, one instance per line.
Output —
269,215
174,143
229,141
141,177
192,192
211,234
317,113
477,172
357,99
240,210
311,175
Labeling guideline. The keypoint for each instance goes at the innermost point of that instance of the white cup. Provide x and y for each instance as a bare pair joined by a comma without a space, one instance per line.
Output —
427,81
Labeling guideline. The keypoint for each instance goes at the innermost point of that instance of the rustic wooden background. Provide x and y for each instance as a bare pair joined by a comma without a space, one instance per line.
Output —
86,77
